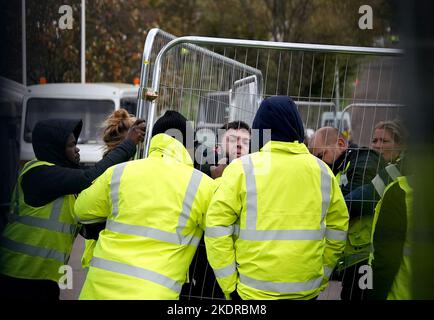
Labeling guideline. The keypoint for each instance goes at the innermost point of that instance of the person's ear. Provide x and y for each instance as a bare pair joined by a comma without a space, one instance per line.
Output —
342,143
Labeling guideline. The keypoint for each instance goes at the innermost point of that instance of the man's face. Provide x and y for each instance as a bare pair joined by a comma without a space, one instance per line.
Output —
71,150
235,143
327,153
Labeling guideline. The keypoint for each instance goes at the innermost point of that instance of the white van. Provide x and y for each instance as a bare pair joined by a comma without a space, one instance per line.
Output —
340,120
91,102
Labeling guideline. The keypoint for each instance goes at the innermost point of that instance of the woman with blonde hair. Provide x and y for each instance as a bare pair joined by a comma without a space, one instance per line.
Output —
390,139
115,129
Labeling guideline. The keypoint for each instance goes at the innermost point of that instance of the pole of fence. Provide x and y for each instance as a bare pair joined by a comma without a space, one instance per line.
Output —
142,103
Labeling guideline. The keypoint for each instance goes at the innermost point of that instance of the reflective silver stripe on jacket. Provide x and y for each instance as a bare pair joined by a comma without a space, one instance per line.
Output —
252,195
263,235
187,204
149,232
114,187
178,237
326,183
51,224
136,272
33,250
216,232
226,271
47,224
378,184
336,235
393,171
251,232
281,287
327,271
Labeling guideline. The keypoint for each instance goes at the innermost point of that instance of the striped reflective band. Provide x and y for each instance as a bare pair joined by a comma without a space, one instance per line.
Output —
51,224
114,187
327,271
378,184
281,287
326,181
252,207
263,235
136,272
33,250
43,223
216,232
336,235
149,232
187,204
226,271
143,231
57,209
251,232
393,171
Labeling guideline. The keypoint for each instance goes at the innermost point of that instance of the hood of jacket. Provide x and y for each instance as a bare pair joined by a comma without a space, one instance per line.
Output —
49,139
163,144
280,114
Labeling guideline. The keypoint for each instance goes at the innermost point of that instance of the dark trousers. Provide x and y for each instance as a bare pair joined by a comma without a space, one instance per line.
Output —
27,289
350,284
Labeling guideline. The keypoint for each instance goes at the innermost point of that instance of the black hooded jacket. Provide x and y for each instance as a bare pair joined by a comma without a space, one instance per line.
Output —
364,165
280,114
44,184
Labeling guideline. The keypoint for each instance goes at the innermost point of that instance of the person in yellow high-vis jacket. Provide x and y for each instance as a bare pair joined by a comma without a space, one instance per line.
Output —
37,241
155,209
116,127
277,224
392,233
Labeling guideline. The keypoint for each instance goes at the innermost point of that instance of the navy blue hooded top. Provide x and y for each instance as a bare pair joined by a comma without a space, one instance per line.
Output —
280,114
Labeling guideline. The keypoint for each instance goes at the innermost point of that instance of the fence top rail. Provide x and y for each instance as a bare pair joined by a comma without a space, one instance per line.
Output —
260,44
153,33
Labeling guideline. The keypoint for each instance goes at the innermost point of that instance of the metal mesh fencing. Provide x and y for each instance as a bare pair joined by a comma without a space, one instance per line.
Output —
214,81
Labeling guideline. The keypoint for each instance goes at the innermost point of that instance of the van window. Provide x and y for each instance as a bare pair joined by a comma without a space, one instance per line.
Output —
92,112
130,104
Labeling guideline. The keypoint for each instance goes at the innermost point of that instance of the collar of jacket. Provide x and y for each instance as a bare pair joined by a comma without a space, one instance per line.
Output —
289,147
163,144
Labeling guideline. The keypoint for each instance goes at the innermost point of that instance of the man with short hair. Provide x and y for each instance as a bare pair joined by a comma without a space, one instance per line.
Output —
353,167
234,142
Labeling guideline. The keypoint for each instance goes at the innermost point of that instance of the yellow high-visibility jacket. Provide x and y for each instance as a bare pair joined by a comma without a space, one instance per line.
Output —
155,209
276,225
37,241
401,288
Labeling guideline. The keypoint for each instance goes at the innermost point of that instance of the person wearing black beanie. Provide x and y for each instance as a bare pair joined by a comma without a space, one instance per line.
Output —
292,218
170,121
155,222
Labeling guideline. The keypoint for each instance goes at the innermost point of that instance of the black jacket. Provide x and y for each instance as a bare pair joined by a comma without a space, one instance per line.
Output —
362,200
43,184
364,165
